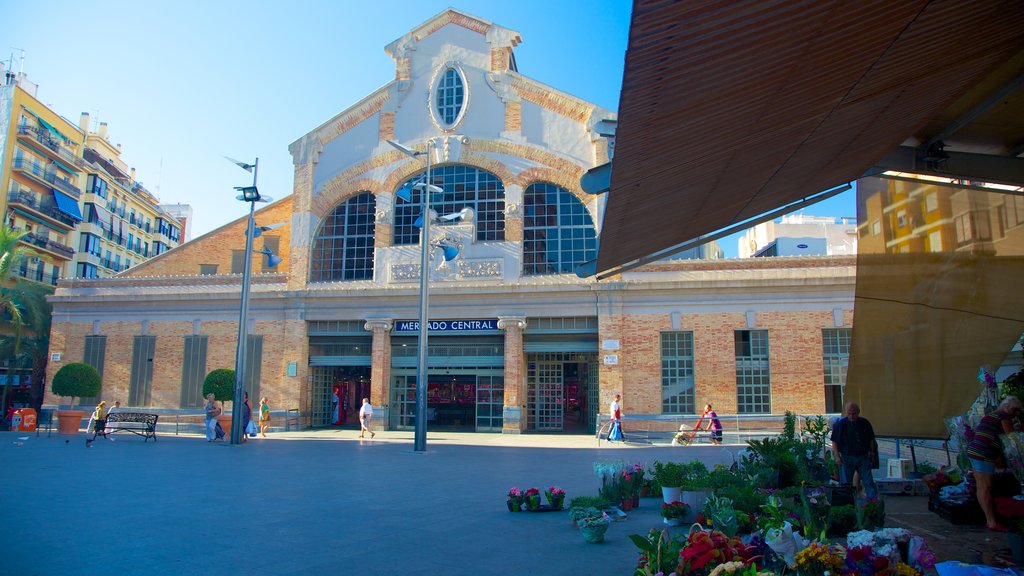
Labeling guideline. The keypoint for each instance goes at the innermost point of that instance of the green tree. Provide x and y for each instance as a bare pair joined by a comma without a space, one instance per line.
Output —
76,380
221,382
16,302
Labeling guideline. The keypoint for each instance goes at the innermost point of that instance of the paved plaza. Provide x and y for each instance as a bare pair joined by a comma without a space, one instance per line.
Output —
325,502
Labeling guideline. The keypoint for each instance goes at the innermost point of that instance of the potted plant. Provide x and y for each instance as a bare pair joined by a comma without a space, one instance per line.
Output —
673,513
221,383
515,500
75,380
669,475
555,496
532,499
593,529
694,487
577,513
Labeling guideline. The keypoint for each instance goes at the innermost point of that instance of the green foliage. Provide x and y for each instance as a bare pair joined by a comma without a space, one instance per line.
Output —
744,497
588,502
773,515
722,477
577,513
789,426
659,553
1012,386
221,382
76,380
695,476
870,514
925,468
772,462
722,515
818,430
671,474
842,520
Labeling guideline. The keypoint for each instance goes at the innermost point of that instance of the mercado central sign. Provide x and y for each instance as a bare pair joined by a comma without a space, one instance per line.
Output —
447,326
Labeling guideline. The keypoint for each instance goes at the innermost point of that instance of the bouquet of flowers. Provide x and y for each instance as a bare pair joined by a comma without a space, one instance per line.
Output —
818,559
815,511
739,569
636,474
613,480
703,551
863,560
555,496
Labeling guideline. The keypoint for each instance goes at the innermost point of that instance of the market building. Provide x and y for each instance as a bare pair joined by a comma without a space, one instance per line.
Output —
518,342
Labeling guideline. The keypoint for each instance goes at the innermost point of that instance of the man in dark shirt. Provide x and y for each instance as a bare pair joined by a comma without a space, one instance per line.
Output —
853,440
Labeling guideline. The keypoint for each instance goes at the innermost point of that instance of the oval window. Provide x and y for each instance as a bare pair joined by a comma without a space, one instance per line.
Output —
450,95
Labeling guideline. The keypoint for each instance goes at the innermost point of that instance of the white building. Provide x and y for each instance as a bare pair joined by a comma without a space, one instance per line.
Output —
799,235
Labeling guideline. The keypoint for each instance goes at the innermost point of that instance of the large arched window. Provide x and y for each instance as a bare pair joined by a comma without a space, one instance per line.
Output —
558,233
343,248
464,186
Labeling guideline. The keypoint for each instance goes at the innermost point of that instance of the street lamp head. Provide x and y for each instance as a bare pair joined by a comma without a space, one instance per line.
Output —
259,230
272,259
450,252
248,193
405,150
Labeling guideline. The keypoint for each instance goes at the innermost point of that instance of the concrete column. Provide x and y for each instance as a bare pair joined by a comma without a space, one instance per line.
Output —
380,368
513,421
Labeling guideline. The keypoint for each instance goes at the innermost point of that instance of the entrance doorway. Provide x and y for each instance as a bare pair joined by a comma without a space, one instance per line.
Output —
336,393
561,392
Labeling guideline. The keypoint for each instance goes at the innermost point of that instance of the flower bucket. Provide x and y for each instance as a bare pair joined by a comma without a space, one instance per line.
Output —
672,521
670,494
594,534
515,505
533,502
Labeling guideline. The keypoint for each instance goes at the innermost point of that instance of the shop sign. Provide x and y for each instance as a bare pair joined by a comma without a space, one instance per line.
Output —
446,326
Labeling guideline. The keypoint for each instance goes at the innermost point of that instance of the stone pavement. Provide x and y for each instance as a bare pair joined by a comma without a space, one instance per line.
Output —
320,502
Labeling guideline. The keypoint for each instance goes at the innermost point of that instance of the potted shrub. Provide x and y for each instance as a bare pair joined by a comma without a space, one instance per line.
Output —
555,496
593,529
515,500
673,513
75,380
532,499
669,475
577,513
695,487
221,383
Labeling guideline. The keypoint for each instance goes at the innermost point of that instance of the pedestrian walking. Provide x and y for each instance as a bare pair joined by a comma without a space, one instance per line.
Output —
213,429
264,416
247,418
112,426
853,445
365,415
714,424
615,414
98,422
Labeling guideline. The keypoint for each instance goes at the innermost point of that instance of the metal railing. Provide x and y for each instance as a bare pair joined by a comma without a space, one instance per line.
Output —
736,428
42,136
47,176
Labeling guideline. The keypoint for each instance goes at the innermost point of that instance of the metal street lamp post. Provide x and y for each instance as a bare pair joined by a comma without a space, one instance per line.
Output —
420,434
251,195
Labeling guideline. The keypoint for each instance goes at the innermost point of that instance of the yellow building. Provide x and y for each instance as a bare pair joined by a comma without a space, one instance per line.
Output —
122,222
40,168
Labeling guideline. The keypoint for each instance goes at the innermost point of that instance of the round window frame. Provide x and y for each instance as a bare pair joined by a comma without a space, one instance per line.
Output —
435,115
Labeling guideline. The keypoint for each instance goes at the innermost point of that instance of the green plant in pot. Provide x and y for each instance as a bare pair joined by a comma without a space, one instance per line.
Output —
593,529
670,476
696,486
674,513
75,380
577,513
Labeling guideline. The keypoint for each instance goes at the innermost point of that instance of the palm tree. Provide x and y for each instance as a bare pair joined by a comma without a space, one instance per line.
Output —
19,302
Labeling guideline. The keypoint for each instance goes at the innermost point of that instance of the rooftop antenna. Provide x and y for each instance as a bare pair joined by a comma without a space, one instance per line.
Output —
21,67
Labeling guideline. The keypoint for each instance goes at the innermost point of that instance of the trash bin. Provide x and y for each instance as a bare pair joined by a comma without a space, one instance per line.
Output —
24,420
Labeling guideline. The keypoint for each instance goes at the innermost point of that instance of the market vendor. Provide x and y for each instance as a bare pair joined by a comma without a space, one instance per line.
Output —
986,454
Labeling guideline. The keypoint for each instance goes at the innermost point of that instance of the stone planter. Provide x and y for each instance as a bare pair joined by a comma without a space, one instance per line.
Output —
673,521
594,534
225,422
695,500
69,421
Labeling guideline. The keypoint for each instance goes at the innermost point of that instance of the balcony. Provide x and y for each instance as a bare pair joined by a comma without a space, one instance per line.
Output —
27,200
51,246
51,146
48,177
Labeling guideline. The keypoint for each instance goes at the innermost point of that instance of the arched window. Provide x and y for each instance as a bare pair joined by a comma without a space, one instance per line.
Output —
558,233
343,248
464,186
450,95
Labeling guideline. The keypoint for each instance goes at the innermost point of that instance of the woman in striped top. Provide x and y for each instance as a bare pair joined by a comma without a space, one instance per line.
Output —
985,449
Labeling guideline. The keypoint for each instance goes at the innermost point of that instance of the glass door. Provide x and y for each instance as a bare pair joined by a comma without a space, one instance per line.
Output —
490,403
547,395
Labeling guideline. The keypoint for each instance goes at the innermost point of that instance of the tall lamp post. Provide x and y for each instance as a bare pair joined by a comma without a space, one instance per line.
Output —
420,434
251,195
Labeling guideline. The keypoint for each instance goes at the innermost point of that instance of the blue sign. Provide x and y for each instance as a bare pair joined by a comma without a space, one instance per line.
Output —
446,326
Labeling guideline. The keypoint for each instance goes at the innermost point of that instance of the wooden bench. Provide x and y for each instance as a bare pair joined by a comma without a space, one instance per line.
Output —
140,423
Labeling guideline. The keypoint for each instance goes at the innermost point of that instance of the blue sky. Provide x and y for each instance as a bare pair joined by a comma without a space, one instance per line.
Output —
182,83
